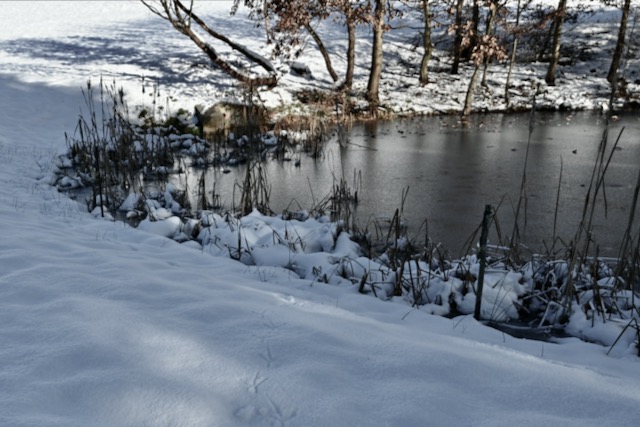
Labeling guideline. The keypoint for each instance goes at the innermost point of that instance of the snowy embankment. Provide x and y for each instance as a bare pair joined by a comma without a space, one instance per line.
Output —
148,58
108,325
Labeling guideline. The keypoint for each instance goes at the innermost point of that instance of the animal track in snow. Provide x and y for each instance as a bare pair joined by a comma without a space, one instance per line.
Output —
267,356
256,382
282,416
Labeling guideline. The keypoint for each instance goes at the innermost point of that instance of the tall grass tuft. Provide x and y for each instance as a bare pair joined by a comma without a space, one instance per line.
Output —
254,190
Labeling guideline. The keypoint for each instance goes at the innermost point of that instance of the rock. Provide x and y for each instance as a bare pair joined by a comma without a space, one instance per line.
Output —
223,118
300,69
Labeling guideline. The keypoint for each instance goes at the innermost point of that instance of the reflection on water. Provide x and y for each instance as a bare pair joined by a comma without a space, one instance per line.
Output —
452,171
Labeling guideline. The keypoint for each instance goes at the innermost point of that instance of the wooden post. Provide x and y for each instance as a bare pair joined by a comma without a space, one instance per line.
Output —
482,254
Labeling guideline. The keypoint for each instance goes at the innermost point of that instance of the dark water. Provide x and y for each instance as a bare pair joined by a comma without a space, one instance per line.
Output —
452,171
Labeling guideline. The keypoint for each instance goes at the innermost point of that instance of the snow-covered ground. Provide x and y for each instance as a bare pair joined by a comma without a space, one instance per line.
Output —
107,325
125,42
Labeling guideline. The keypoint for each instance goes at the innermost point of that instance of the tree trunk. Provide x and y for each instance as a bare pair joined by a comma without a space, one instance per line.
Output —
323,51
555,49
351,54
373,87
426,44
475,25
267,22
617,53
512,58
484,62
544,45
457,43
493,7
470,89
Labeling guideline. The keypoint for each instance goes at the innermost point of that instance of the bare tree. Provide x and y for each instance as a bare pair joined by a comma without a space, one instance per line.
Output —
354,13
323,51
182,17
514,49
558,22
495,9
457,43
487,47
292,18
351,52
426,43
475,29
377,58
617,53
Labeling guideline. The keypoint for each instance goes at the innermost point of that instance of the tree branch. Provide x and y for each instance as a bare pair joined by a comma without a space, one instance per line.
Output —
240,48
180,17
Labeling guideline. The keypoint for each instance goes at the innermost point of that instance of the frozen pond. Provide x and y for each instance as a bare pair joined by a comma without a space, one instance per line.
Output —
452,171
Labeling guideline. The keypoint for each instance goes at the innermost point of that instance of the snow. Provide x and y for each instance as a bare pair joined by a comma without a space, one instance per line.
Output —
103,324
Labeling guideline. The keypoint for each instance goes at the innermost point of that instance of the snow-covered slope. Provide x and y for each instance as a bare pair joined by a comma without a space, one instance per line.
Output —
105,325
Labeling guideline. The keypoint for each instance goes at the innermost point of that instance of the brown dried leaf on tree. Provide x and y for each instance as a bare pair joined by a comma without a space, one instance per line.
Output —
488,48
